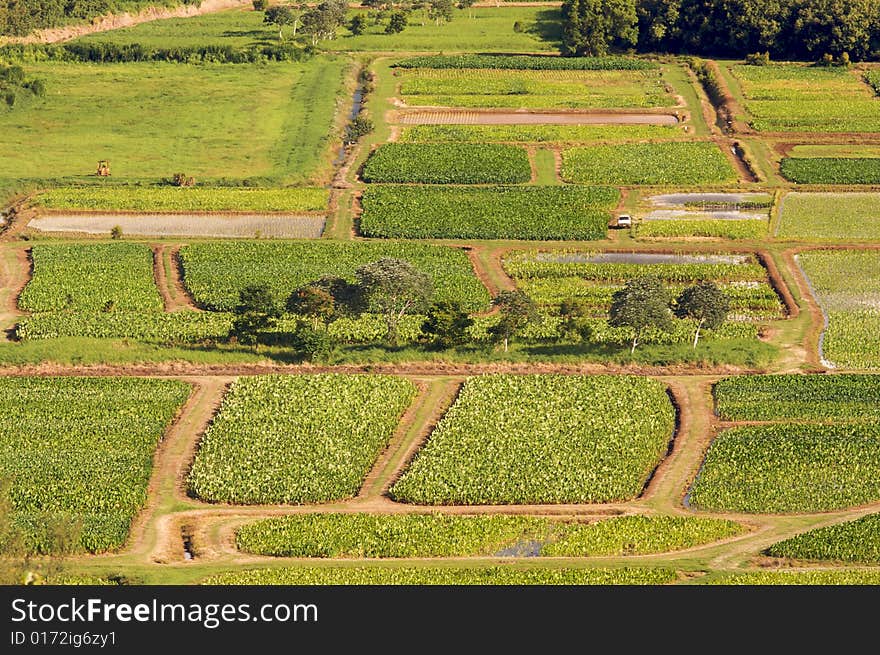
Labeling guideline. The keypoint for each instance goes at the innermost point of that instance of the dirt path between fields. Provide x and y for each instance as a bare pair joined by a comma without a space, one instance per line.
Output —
453,116
17,270
117,21
817,316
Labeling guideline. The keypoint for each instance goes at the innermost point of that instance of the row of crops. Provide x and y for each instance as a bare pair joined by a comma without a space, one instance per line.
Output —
796,98
184,199
831,170
590,279
830,216
546,213
810,457
439,535
78,453
535,134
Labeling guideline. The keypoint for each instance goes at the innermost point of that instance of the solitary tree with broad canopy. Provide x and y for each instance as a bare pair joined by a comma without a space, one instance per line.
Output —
706,304
394,288
642,303
517,311
256,311
447,324
282,16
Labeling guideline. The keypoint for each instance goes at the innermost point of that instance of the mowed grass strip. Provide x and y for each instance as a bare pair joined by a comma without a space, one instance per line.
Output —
297,439
439,535
511,439
647,163
798,397
149,120
790,468
830,216
495,575
854,541
556,212
92,278
448,163
214,273
79,453
182,199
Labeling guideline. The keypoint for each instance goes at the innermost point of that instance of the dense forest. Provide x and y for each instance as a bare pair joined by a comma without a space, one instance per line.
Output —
20,17
787,29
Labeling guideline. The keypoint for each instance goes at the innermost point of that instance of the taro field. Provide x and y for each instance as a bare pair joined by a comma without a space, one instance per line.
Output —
830,216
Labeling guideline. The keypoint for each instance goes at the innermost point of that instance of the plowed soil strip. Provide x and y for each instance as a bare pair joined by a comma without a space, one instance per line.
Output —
468,117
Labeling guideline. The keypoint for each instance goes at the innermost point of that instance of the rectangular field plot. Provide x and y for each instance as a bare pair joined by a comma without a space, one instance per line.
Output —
648,163
215,272
590,279
496,575
448,163
195,225
542,439
92,278
536,133
818,577
795,98
150,118
847,286
854,541
529,89
790,468
705,215
438,535
798,397
831,170
297,439
554,212
79,453
184,199
830,216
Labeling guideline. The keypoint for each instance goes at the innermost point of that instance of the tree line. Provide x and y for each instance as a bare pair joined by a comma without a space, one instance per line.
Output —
786,29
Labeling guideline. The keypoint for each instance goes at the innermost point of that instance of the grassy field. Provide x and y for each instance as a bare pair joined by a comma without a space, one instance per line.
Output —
830,216
149,120
490,30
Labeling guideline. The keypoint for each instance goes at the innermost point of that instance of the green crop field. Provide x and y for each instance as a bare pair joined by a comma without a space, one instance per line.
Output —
559,89
148,119
825,577
537,133
695,227
177,199
553,212
798,397
86,278
786,468
854,541
448,163
851,302
297,439
792,98
647,163
830,216
79,454
831,170
215,272
495,575
542,439
438,535
835,151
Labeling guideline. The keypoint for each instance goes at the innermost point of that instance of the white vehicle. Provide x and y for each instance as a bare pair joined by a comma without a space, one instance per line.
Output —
624,220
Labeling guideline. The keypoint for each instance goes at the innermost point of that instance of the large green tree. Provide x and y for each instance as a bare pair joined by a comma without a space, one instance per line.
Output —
642,303
394,288
594,27
706,304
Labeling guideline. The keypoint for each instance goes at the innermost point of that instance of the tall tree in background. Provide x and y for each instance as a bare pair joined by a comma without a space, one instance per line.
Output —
593,27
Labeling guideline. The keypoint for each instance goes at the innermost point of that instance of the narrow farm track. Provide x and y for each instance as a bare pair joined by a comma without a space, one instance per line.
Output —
817,316
173,268
16,273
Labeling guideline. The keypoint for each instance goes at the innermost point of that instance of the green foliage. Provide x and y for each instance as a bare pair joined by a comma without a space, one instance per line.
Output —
542,439
81,450
446,324
394,288
718,228
853,541
215,272
448,163
155,326
706,304
497,575
396,22
536,133
784,468
170,199
526,62
850,301
830,577
594,27
831,170
872,77
642,303
647,163
830,216
297,439
529,212
798,397
85,277
255,312
515,312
